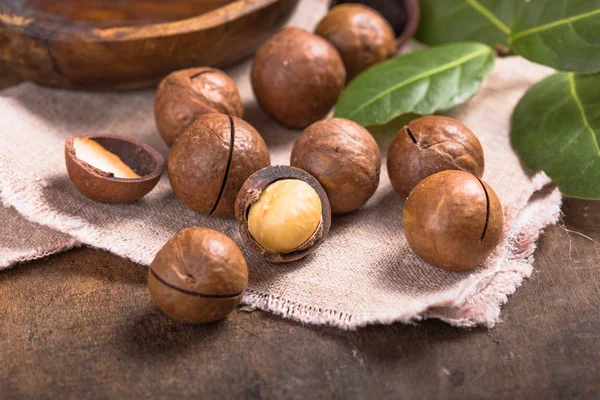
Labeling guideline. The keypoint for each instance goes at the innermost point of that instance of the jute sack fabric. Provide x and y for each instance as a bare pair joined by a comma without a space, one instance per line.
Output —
363,274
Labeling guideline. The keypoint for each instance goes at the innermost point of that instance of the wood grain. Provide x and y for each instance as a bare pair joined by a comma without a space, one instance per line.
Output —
82,325
76,49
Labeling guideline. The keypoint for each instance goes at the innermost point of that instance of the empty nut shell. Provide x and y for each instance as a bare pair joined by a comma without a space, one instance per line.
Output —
210,162
453,220
432,144
361,35
297,77
291,217
111,154
198,276
186,94
344,158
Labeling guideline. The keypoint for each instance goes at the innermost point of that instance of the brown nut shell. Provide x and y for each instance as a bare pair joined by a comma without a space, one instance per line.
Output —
297,77
250,194
186,94
453,220
103,186
403,15
198,276
344,158
429,145
360,34
207,171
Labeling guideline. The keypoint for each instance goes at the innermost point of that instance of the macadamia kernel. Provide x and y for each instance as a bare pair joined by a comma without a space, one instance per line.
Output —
92,153
286,215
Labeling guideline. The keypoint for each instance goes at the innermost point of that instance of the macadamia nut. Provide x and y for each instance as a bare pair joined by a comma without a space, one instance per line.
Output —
432,144
297,77
186,94
285,216
453,220
344,158
361,35
283,213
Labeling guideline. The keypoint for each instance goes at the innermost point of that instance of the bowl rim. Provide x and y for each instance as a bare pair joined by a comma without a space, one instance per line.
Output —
413,10
211,19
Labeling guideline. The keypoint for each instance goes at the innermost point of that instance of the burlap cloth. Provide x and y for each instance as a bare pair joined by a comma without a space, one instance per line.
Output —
363,274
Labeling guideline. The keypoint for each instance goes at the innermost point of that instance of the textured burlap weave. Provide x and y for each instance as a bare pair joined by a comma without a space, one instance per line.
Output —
363,274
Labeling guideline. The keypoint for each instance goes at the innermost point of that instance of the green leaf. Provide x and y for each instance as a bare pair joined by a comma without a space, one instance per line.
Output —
556,128
487,21
563,34
421,82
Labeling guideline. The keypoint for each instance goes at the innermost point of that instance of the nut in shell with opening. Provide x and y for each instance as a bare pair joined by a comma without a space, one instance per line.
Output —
432,144
283,213
186,94
210,162
453,220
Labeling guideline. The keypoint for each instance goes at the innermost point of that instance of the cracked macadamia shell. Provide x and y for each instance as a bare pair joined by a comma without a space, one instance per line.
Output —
360,34
432,144
453,220
112,168
210,162
344,158
251,194
297,77
198,276
184,95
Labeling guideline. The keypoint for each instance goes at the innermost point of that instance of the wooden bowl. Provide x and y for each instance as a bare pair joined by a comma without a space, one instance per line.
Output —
120,44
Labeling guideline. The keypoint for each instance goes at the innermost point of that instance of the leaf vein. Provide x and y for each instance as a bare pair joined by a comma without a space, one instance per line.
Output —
490,16
581,38
552,110
424,93
552,24
582,111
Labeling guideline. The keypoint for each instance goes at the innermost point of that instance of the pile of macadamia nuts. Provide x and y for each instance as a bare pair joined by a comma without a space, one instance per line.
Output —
220,166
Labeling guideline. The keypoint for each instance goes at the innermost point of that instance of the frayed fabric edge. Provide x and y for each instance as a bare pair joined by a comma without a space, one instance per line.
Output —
37,253
475,302
459,306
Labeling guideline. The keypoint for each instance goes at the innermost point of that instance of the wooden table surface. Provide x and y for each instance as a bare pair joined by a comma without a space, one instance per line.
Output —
81,325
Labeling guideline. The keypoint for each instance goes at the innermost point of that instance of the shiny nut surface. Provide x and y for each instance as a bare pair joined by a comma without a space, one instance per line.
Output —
286,215
453,220
119,155
186,94
360,34
344,158
210,162
297,77
432,144
198,276
251,194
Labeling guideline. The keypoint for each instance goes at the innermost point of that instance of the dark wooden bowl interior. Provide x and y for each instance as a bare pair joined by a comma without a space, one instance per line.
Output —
112,13
132,154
